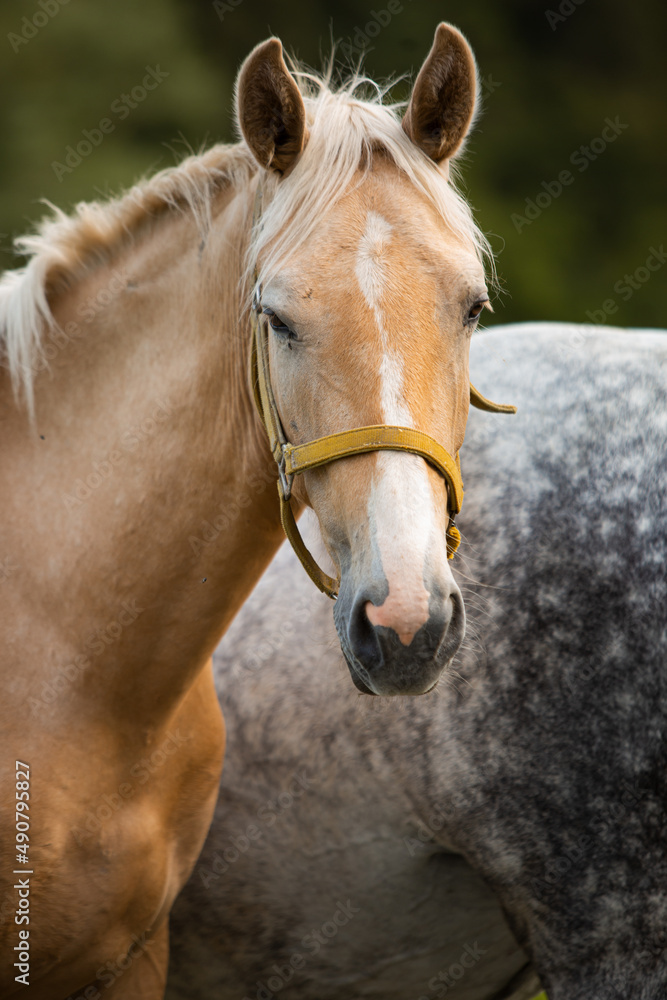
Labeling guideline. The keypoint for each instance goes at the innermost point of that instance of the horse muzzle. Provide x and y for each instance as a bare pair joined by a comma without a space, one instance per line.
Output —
388,657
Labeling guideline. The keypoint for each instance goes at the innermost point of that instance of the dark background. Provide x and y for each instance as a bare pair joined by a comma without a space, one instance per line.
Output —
550,81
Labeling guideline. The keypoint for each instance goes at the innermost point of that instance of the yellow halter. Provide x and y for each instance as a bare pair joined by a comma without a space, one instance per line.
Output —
295,459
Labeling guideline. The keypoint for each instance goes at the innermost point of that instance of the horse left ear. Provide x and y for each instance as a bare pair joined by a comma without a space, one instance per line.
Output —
442,104
270,108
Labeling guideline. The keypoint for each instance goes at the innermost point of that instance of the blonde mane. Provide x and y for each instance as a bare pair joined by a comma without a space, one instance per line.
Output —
346,130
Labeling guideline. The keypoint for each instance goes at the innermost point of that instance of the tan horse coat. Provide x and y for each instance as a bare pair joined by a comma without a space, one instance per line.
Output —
138,508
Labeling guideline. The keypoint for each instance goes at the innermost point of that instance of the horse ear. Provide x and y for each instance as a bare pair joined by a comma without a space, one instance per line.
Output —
442,104
270,108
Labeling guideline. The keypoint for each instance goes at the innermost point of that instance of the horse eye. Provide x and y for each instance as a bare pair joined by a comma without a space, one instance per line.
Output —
277,325
476,310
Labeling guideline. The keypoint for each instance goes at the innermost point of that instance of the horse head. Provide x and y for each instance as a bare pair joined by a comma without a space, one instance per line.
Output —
369,279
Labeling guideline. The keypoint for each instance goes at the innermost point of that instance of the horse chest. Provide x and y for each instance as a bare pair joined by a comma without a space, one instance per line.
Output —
89,895
109,848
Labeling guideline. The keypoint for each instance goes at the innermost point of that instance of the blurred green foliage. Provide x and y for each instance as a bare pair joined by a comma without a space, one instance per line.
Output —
553,73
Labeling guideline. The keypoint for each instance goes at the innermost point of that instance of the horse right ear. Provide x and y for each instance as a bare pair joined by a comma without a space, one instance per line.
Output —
442,105
270,109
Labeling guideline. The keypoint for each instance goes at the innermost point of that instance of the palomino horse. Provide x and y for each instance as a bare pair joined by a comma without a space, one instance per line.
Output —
138,500
357,843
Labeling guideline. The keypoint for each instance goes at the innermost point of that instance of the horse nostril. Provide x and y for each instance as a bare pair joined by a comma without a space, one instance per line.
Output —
363,637
457,616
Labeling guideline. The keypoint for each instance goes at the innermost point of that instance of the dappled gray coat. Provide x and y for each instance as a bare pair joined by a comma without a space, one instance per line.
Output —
511,824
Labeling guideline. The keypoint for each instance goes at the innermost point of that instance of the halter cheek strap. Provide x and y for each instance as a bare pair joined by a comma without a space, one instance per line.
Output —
292,460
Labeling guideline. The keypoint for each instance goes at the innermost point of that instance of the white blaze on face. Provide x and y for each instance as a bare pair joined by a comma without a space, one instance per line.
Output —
400,505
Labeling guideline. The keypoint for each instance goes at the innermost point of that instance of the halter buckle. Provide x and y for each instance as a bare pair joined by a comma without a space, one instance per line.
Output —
285,479
453,536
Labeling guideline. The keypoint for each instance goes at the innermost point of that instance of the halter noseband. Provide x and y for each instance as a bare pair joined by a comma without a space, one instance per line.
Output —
295,459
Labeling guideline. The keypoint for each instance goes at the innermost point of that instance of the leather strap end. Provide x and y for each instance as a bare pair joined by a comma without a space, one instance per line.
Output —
482,403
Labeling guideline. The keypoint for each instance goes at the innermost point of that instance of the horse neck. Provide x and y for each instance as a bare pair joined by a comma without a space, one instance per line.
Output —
145,498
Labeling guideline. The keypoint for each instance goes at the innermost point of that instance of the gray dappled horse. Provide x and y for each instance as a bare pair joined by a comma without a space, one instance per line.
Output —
512,824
